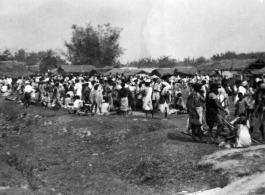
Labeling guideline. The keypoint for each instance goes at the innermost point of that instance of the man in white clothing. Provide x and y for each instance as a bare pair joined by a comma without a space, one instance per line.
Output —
238,88
78,88
27,94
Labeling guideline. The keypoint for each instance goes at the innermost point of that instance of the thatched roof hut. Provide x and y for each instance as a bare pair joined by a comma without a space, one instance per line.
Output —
259,71
185,70
163,72
146,70
101,70
126,72
232,65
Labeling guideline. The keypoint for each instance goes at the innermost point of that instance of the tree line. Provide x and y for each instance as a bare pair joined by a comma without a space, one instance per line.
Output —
45,59
168,62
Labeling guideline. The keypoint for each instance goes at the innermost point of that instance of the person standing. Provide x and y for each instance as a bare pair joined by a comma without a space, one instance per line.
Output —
164,99
27,94
147,98
124,101
260,111
195,109
78,88
139,96
213,107
156,94
56,94
238,88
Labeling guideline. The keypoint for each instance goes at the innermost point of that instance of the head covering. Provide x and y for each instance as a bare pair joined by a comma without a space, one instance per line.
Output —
244,83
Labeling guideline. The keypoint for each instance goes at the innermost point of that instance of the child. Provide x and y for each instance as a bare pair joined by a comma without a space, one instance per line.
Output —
241,133
105,107
46,100
241,105
179,104
251,102
78,103
68,101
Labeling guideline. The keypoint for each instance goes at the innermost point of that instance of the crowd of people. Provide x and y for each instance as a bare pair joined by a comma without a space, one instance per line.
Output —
207,103
120,93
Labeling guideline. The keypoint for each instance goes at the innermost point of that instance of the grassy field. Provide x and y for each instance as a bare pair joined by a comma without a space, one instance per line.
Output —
51,152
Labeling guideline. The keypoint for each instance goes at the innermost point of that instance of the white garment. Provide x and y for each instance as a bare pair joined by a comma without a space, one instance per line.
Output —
9,81
243,137
19,81
78,104
204,90
221,99
78,89
4,89
147,100
164,107
28,89
105,108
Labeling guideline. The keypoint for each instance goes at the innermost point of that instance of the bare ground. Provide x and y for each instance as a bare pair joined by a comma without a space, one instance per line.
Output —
51,152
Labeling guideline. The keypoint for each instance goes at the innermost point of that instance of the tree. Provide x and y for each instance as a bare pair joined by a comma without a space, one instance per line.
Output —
199,61
20,55
166,61
32,59
48,60
94,46
6,55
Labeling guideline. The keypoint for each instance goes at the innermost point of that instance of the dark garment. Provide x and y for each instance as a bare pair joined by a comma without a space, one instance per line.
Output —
125,92
27,99
164,98
212,112
258,94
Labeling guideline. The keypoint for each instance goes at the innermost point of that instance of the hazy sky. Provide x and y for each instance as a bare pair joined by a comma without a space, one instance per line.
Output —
176,28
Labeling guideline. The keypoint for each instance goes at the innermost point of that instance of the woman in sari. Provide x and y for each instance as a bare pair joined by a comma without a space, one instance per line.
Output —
147,99
124,101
